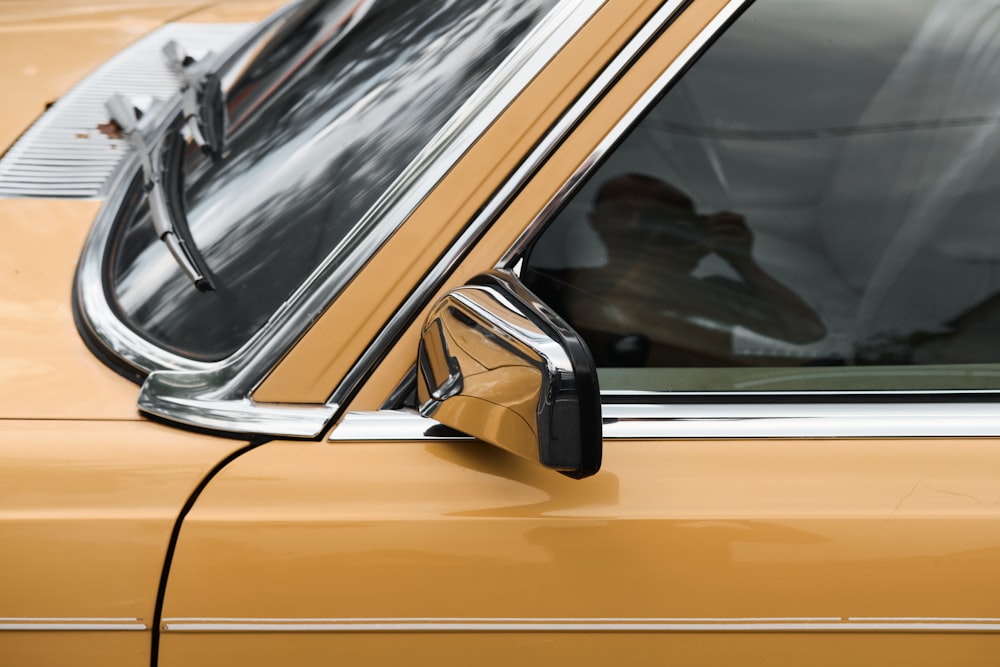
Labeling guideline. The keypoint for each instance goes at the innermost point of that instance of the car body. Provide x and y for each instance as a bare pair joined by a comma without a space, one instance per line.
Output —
822,489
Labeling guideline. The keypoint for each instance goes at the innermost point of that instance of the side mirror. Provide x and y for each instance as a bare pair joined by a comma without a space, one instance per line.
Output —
498,364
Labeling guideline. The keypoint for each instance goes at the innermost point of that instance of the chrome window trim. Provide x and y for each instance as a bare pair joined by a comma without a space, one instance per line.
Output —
789,421
800,420
179,389
403,316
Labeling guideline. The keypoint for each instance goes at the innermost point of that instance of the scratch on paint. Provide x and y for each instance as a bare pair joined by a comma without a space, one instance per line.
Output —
959,494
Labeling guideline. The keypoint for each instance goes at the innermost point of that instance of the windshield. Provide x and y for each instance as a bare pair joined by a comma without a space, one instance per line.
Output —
320,122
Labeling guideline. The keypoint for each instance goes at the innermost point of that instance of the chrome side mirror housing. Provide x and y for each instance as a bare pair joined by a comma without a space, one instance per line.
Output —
498,364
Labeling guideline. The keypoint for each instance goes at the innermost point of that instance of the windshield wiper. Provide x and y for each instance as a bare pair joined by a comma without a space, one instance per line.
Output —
146,140
201,97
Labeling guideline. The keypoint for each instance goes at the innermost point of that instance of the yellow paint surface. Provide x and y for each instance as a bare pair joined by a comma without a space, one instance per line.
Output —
86,512
46,371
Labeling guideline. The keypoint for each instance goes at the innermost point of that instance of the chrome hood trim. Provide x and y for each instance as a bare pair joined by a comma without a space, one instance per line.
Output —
64,155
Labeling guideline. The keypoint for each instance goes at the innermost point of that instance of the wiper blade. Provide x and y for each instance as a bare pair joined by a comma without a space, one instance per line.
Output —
201,97
146,141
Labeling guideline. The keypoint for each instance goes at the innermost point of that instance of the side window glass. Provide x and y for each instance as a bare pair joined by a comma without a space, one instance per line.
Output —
812,206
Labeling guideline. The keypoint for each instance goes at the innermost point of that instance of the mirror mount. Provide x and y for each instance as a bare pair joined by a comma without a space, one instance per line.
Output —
497,363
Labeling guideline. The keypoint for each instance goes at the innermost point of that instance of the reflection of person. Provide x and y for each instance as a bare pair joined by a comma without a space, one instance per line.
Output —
654,240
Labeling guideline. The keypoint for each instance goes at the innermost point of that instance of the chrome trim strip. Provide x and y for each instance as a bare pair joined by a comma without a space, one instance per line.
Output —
802,420
922,619
583,625
176,383
430,283
728,420
388,425
14,624
539,619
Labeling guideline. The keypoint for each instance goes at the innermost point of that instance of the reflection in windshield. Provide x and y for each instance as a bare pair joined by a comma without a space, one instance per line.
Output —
321,123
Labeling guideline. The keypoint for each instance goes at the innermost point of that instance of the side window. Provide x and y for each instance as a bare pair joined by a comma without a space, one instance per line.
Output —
812,206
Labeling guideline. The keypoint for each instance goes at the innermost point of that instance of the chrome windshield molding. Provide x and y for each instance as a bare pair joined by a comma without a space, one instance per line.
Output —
13,624
502,197
759,624
803,420
690,53
95,314
391,425
214,395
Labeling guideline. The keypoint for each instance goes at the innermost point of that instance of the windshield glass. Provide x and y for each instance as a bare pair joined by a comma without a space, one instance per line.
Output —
321,120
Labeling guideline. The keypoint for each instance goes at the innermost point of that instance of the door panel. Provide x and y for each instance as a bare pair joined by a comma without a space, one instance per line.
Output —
456,551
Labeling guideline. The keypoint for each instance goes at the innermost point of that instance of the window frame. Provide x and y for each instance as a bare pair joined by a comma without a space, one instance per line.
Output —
640,414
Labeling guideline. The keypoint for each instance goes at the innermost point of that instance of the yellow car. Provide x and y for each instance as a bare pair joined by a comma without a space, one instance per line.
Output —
485,332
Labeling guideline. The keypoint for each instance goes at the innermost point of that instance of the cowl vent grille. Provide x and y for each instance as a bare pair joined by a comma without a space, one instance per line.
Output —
63,154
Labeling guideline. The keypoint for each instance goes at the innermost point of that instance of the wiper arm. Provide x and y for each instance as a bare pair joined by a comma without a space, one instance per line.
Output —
147,144
201,97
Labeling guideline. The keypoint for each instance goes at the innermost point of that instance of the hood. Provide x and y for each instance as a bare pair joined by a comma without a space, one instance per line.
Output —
47,47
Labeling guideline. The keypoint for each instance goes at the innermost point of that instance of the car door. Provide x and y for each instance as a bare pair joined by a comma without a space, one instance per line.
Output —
771,226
